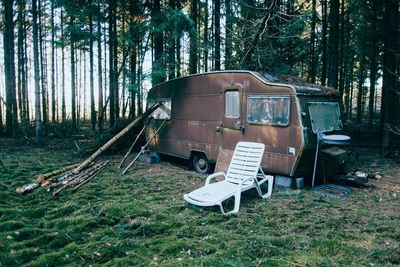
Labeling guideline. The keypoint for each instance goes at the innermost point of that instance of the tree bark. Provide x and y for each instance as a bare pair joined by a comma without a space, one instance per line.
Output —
22,88
73,76
53,70
193,38
342,61
313,66
217,33
112,47
63,109
324,37
333,43
389,86
99,67
35,32
91,75
9,68
171,36
43,67
206,41
361,79
158,71
228,34
374,36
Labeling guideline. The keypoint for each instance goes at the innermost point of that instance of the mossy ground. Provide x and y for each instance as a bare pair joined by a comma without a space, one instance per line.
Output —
141,219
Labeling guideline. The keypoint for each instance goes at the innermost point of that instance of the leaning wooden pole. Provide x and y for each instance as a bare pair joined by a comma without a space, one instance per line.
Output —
144,147
133,144
115,138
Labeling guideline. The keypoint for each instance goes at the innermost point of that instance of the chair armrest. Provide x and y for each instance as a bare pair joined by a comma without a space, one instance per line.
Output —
245,180
213,176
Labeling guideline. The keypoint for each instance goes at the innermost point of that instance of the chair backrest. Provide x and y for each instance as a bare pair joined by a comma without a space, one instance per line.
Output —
245,161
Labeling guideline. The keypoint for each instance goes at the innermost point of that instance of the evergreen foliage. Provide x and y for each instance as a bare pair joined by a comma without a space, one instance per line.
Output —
347,44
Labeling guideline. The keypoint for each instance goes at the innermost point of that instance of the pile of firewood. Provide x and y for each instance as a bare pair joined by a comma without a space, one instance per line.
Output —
79,174
62,178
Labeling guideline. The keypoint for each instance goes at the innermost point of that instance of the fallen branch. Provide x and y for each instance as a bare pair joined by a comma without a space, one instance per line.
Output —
75,179
27,188
42,179
76,187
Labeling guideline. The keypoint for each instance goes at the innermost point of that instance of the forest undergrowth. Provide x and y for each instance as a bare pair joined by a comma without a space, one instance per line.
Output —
141,218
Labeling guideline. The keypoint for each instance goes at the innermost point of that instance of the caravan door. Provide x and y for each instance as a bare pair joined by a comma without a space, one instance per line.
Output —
232,117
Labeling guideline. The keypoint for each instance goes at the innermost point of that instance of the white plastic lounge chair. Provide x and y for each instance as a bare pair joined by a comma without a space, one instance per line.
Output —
244,173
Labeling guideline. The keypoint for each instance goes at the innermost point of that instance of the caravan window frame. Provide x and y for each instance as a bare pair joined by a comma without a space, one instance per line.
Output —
229,114
274,122
159,112
337,123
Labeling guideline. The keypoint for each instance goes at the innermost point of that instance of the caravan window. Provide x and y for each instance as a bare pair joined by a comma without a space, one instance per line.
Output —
164,111
232,103
325,116
271,110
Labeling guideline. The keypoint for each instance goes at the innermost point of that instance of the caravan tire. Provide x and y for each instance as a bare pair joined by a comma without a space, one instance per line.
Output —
201,164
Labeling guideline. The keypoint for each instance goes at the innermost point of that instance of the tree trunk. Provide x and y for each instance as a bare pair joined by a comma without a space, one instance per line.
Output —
9,68
1,120
139,80
53,71
361,79
63,109
73,76
374,37
115,63
26,66
342,62
158,71
178,46
217,33
171,36
324,35
206,41
43,68
91,76
123,69
193,38
132,80
389,86
35,32
99,69
333,43
22,88
111,35
228,34
106,85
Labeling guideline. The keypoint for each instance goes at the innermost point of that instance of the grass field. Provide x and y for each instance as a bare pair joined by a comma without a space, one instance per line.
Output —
141,219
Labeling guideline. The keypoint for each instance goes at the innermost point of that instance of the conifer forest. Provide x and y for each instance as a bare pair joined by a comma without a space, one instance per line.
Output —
93,61
75,76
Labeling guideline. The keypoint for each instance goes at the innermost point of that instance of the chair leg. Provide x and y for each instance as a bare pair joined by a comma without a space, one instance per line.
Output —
236,207
270,185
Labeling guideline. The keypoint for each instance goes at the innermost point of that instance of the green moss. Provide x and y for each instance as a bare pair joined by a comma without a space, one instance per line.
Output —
141,219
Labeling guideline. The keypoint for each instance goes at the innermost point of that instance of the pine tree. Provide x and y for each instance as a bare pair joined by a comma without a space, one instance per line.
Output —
193,38
217,34
35,33
9,68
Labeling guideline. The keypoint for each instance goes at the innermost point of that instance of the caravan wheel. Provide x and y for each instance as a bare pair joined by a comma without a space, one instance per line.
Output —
201,164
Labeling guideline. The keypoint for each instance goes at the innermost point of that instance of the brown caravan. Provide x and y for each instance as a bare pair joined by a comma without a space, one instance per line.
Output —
208,112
